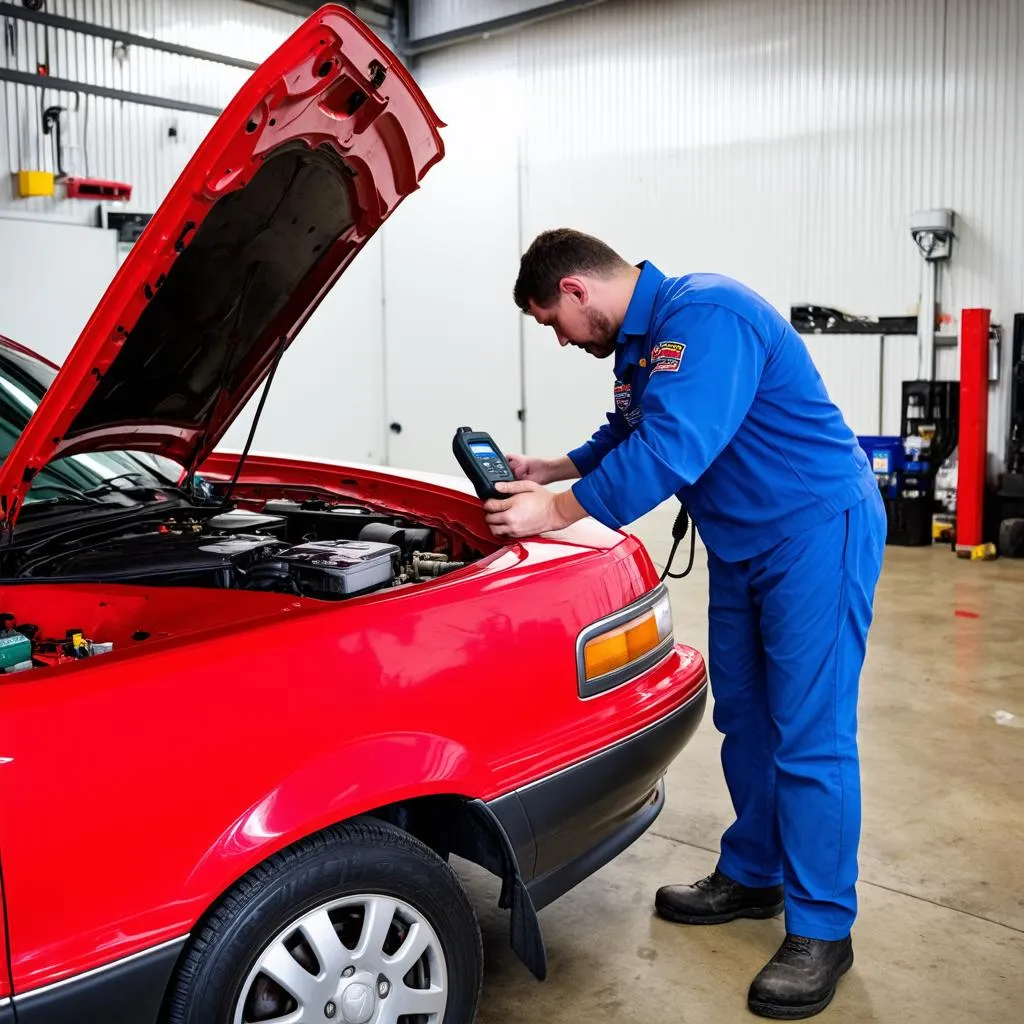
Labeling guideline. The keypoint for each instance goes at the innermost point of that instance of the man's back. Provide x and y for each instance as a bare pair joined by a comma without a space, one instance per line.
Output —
793,461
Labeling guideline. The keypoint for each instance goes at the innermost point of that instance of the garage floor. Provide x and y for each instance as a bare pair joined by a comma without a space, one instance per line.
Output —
940,935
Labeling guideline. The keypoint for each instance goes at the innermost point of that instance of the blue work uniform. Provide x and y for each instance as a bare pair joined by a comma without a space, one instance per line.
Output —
718,402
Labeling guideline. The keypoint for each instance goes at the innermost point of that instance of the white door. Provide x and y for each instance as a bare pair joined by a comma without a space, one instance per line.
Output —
451,254
51,278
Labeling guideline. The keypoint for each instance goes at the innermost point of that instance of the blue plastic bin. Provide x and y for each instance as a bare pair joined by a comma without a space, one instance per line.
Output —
885,453
887,459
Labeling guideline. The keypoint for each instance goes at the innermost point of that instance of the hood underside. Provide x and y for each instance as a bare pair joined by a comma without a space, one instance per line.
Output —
195,339
318,148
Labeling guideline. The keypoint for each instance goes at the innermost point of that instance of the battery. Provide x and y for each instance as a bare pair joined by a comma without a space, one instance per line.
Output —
342,567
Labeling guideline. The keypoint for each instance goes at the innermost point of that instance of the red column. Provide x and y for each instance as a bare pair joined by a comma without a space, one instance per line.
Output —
973,455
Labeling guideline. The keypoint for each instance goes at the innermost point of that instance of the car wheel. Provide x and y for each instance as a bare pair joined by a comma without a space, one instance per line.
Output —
359,924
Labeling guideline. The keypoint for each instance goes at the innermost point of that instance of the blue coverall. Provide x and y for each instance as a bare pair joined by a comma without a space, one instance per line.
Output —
718,402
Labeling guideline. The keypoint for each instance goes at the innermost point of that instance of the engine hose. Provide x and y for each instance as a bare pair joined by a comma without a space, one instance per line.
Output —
272,576
438,568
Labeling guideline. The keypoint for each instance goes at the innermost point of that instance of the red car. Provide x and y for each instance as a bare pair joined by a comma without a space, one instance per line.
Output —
251,706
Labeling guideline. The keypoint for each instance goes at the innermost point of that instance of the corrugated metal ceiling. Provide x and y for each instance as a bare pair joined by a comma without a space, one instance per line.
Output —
378,14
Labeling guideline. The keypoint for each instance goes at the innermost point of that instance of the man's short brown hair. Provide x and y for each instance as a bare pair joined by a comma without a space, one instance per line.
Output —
561,253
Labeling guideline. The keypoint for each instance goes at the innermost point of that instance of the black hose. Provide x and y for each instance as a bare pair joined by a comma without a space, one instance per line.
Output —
679,528
438,568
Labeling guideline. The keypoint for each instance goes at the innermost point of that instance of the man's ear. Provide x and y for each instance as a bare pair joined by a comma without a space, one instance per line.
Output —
575,289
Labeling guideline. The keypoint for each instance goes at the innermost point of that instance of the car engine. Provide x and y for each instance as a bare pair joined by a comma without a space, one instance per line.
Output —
315,548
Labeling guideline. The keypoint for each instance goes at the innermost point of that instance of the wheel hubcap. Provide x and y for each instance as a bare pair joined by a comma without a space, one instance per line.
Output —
359,960
358,1003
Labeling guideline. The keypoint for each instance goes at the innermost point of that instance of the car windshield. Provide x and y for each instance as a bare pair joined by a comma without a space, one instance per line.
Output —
23,382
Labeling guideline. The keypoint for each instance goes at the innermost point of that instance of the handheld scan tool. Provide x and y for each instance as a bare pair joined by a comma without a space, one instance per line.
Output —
481,460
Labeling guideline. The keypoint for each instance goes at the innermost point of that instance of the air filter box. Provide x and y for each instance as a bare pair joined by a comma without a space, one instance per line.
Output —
321,520
240,521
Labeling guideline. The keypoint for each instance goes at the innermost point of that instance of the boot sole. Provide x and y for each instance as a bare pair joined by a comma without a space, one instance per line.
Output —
775,1011
756,913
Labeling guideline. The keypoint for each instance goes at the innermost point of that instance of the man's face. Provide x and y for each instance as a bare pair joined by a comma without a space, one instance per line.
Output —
577,321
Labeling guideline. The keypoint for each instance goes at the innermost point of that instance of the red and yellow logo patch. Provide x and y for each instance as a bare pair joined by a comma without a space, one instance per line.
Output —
666,356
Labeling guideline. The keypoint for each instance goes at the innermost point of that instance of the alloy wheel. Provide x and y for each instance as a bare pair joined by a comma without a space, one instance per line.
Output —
364,959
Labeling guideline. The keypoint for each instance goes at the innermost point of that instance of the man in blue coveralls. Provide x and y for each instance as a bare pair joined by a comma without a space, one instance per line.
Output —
718,402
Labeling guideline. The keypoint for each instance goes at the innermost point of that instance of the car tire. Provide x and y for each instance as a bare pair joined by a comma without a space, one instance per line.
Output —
270,928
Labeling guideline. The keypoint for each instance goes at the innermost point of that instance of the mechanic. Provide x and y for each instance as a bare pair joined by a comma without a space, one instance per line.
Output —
717,401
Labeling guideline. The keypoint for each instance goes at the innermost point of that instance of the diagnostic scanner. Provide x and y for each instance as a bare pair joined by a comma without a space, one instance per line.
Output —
481,460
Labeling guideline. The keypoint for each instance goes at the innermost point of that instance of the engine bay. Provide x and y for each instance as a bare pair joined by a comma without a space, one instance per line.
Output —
117,573
312,548
160,565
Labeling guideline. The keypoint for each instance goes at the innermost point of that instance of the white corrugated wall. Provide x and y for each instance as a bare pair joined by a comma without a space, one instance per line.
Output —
785,142
108,138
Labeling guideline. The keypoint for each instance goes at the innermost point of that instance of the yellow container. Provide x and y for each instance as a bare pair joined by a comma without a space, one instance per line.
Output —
35,183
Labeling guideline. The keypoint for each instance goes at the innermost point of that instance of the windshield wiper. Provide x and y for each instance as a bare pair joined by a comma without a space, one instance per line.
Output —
64,494
144,484
120,476
107,486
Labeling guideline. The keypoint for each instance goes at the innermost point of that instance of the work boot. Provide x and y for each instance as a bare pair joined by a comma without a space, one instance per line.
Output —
800,980
715,900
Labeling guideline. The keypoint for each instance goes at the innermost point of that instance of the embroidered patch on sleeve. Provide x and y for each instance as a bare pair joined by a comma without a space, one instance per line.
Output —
623,396
666,356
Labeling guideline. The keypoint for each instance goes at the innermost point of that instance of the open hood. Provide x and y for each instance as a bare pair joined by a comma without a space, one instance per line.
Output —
317,149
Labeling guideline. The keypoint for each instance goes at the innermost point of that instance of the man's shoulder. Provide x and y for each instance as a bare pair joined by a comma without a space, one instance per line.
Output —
690,292
711,289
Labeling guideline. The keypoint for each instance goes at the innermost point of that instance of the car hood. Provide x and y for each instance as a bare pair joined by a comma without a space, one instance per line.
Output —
316,150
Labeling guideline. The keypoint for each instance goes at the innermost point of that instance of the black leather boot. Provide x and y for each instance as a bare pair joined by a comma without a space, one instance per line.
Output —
715,900
800,980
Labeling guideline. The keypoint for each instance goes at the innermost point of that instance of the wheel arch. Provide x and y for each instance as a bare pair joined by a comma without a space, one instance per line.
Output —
327,790
437,809
469,828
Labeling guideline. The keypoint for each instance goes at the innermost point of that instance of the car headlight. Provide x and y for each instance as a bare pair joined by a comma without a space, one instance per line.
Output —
624,644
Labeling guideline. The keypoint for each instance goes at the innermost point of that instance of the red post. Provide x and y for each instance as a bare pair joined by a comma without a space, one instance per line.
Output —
973,455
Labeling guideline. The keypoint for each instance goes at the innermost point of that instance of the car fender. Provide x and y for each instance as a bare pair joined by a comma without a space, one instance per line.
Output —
332,788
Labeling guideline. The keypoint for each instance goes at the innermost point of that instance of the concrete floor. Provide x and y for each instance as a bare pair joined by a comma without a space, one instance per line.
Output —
940,936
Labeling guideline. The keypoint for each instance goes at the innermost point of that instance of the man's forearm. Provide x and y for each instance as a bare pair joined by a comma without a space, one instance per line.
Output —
561,469
568,510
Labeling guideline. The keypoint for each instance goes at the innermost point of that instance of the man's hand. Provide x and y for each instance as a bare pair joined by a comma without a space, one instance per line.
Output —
530,510
542,471
527,468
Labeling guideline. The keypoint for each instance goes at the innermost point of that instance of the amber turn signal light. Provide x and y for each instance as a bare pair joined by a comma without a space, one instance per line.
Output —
629,641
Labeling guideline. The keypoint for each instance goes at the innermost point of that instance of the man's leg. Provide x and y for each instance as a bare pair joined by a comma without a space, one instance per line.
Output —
816,591
748,880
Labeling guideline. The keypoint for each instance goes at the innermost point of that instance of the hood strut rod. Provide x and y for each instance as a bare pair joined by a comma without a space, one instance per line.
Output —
255,422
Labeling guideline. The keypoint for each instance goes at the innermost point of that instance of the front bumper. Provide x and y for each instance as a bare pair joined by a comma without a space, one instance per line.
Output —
567,826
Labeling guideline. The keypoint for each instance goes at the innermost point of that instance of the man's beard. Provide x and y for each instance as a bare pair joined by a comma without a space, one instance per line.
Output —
603,335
